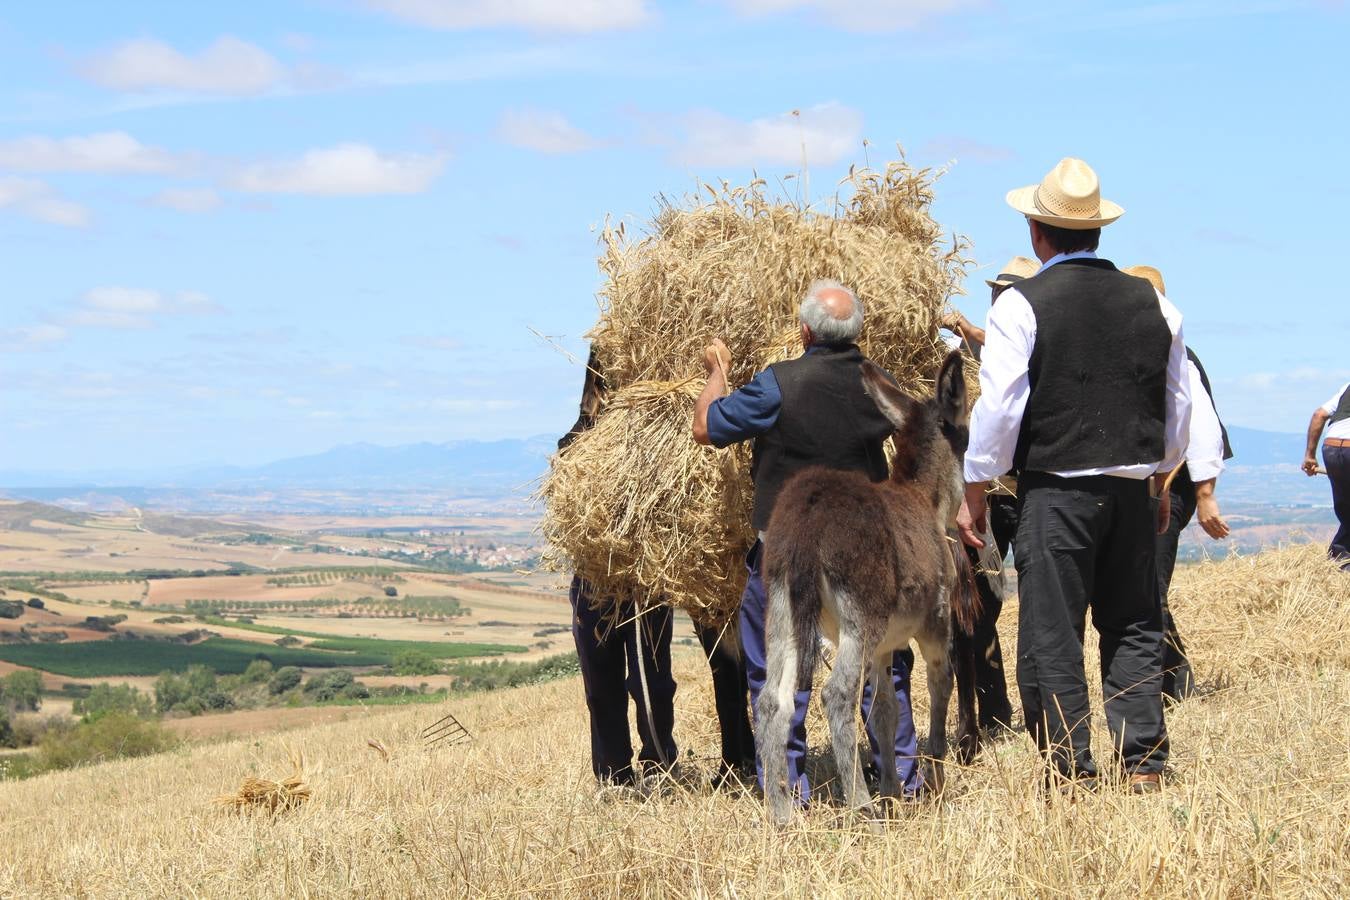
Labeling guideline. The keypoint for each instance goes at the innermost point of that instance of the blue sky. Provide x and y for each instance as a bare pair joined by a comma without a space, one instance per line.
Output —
237,232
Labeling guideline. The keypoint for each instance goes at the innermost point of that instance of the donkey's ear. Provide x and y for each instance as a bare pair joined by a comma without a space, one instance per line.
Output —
894,403
951,390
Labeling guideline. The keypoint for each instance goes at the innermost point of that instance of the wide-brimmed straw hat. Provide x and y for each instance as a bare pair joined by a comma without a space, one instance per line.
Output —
1068,197
1014,270
1149,274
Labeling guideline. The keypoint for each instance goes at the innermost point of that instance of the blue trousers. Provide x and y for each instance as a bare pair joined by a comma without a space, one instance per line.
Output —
609,672
752,646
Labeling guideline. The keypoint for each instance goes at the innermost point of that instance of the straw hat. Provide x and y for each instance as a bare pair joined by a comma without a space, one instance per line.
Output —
1015,269
1149,274
1068,197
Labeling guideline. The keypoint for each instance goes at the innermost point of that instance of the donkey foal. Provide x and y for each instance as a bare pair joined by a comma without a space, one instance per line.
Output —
869,566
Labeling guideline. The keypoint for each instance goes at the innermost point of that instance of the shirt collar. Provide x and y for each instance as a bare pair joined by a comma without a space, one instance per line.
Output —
822,348
1061,257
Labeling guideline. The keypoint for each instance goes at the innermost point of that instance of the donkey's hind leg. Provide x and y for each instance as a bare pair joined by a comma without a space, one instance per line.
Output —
840,696
774,708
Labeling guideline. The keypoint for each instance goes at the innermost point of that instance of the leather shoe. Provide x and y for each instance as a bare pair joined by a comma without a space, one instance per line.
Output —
1146,784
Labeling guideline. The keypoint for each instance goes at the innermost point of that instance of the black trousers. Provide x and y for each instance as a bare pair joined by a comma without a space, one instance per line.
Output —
1337,463
609,672
731,695
991,685
1178,681
1088,544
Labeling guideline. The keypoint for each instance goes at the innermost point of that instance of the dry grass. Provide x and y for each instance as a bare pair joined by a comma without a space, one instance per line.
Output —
634,503
1258,802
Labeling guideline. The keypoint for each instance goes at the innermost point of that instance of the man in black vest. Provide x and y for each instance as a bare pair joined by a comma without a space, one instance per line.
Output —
809,411
1087,422
1191,491
608,649
1334,416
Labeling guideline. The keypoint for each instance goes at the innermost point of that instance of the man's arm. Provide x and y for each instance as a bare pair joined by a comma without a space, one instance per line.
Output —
959,325
1177,409
1204,458
1207,510
996,420
1315,426
1177,430
744,414
716,360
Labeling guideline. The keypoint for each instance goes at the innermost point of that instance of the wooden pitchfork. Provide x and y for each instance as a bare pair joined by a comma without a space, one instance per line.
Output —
446,732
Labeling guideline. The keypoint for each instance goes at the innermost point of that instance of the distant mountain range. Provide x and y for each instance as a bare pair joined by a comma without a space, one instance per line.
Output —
1265,471
474,467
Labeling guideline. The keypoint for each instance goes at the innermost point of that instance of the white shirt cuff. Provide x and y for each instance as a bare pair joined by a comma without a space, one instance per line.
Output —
1204,469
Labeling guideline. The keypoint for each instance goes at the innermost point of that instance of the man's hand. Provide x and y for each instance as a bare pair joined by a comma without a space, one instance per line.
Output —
1164,511
1310,465
713,354
973,518
952,321
1207,511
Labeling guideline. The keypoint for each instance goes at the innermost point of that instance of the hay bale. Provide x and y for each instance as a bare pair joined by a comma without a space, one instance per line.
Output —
636,507
634,501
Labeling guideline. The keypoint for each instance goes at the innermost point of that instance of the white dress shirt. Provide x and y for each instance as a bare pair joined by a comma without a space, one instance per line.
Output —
1204,459
1339,429
1005,386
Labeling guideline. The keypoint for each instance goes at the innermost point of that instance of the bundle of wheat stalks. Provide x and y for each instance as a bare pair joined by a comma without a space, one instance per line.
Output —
634,505
273,796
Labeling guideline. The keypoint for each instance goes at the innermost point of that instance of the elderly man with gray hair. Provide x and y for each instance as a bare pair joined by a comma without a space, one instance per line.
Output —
808,411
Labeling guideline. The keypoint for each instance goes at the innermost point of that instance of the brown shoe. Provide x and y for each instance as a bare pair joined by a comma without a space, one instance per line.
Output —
1146,784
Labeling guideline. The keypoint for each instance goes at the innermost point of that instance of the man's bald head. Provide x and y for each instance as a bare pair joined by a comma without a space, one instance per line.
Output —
831,314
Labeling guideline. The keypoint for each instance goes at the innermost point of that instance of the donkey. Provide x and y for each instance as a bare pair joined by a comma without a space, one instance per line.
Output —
871,566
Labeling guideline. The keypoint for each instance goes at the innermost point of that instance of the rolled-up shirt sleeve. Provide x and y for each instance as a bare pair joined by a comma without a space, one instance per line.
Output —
747,413
1204,458
1005,385
1177,430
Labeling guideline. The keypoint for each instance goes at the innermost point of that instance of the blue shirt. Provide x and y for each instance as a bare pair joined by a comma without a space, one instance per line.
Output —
747,413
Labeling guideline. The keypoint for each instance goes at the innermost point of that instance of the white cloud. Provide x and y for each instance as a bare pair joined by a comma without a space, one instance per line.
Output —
542,130
344,169
107,151
228,66
30,337
134,308
37,200
829,132
861,15
535,15
188,200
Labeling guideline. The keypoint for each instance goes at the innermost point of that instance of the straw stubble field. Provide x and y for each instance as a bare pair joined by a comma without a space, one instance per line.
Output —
1258,802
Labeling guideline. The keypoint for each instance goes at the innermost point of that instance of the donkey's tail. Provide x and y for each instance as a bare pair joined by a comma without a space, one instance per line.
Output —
806,609
965,600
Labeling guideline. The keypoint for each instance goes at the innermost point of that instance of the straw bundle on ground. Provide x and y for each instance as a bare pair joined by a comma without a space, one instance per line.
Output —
272,796
634,505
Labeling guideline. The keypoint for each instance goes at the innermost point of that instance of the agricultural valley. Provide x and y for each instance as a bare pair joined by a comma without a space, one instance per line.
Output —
207,627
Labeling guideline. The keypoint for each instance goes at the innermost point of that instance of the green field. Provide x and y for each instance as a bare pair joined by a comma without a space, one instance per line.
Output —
434,649
93,659
384,649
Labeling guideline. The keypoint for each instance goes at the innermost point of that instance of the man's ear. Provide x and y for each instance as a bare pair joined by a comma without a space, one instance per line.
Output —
951,391
895,404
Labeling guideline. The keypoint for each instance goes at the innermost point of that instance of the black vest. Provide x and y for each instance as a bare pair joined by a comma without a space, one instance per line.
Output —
826,419
1342,408
1183,482
1098,370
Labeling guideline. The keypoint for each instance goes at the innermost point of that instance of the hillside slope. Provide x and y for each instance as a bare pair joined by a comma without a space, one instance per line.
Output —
1259,800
